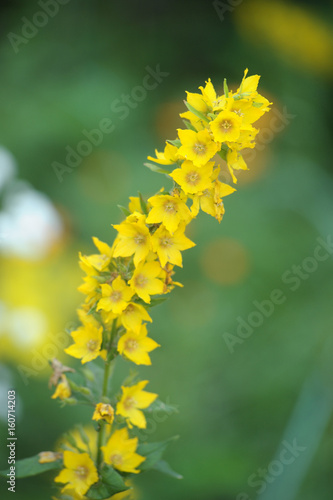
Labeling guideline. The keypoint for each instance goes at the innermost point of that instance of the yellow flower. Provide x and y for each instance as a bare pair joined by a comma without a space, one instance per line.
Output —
133,238
120,452
88,446
208,93
89,287
135,205
193,179
210,201
133,316
168,209
235,161
197,101
63,391
135,346
226,126
115,297
79,473
105,412
103,248
96,262
168,157
133,400
92,263
249,84
88,341
168,246
245,109
197,146
144,280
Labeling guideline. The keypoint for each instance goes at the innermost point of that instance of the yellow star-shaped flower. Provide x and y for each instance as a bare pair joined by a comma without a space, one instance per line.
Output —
120,452
133,400
79,473
168,246
136,346
168,209
115,297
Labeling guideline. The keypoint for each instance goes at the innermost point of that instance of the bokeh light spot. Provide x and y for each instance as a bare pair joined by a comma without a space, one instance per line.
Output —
225,261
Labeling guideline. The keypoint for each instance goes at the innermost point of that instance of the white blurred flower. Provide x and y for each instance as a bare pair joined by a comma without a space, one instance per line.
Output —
29,223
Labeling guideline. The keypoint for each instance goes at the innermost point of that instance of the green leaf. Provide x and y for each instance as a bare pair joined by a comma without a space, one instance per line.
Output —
156,168
241,95
196,112
153,452
124,210
225,87
189,125
165,468
223,152
31,467
111,483
156,302
176,142
143,204
159,406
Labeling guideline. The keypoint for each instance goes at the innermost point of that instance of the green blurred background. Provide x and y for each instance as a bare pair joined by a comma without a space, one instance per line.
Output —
236,408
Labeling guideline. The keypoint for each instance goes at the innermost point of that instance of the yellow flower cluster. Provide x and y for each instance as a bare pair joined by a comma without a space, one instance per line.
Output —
123,281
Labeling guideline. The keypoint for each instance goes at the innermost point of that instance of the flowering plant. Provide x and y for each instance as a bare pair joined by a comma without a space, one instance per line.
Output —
125,280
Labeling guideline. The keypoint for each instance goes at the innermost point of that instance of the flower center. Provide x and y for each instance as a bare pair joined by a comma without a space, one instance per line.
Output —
129,309
170,207
141,280
199,148
166,242
129,403
206,193
131,345
225,125
81,472
106,410
115,296
116,459
139,239
91,345
192,178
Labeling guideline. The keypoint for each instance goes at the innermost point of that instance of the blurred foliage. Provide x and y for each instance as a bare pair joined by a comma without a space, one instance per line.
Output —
234,407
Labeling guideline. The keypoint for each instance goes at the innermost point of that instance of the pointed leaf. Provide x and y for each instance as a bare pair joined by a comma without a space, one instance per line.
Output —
159,406
156,302
124,210
225,87
189,126
153,452
196,112
165,468
143,204
32,467
156,168
176,143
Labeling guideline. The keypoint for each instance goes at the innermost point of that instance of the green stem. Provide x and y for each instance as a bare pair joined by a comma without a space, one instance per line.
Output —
108,370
